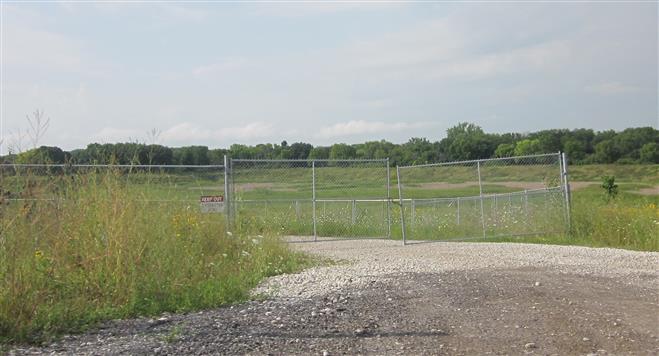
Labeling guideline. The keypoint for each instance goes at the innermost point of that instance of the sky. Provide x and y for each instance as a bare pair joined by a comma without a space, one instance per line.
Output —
215,74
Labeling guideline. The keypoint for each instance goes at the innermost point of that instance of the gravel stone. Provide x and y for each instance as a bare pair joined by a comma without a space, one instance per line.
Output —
530,345
420,299
369,259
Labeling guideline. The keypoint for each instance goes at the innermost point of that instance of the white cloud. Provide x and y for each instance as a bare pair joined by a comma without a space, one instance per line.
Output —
611,88
189,132
30,48
249,131
223,66
440,49
542,56
183,13
310,9
359,127
111,135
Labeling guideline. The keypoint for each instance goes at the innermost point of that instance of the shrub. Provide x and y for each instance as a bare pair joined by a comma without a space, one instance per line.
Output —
610,187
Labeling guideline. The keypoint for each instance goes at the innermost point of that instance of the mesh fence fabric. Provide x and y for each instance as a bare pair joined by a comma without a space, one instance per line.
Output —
483,198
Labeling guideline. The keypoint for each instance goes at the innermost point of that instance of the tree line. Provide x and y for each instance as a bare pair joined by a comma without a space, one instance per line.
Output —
464,141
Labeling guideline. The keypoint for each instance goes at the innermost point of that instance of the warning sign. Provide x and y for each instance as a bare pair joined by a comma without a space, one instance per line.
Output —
211,203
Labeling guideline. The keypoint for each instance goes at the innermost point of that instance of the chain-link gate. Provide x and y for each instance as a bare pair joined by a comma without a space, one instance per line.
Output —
514,196
307,199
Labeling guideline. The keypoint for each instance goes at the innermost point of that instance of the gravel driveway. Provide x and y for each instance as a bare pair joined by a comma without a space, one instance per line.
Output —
426,298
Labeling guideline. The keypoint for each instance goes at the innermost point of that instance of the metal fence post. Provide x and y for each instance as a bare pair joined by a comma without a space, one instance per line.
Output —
526,202
297,210
400,201
412,212
560,168
458,203
354,212
313,198
567,190
227,195
388,200
480,189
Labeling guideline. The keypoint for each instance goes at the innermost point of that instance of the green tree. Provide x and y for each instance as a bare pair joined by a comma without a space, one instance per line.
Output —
216,156
650,153
420,150
468,141
505,150
238,151
157,154
79,156
528,147
319,152
42,155
606,152
300,150
549,140
629,142
191,155
575,149
374,149
342,151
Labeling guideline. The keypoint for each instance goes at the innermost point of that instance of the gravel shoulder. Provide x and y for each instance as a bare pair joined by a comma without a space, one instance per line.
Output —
429,298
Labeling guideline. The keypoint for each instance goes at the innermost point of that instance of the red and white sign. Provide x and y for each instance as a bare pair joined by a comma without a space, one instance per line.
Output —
211,199
211,203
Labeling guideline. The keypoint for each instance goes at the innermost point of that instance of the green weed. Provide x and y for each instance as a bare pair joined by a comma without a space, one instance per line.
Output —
101,251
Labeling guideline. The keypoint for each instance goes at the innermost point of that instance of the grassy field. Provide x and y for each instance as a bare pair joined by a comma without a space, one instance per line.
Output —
103,252
101,244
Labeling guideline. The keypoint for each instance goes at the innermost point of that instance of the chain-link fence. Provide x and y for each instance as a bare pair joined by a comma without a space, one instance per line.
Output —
195,193
312,198
316,198
484,198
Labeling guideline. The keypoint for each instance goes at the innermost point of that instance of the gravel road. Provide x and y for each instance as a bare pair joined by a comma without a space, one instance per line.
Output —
427,298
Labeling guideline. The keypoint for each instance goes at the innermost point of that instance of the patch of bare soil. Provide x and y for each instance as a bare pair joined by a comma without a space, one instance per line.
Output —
648,191
243,187
520,185
510,311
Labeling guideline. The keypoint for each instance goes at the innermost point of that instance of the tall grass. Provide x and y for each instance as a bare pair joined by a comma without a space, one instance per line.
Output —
629,221
102,252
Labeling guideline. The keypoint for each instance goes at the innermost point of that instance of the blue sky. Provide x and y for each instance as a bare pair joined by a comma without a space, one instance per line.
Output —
223,73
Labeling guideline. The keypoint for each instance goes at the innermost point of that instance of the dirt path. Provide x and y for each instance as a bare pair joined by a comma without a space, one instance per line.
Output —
576,185
649,191
454,299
